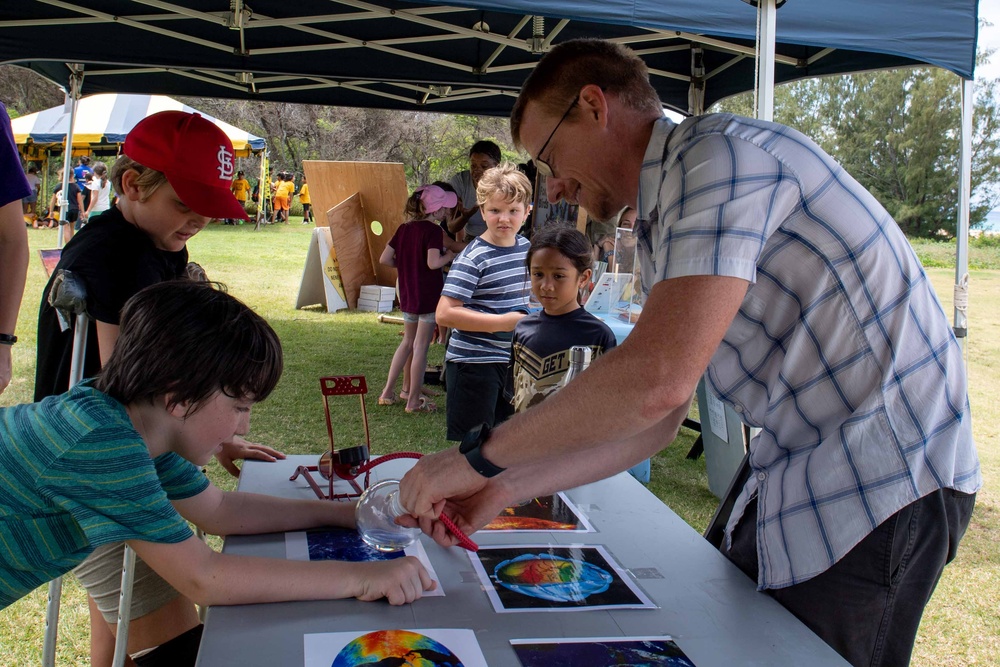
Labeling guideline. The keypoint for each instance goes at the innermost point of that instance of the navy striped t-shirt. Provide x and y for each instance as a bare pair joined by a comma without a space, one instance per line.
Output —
489,279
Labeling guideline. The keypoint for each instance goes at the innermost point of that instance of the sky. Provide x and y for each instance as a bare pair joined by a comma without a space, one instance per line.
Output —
990,37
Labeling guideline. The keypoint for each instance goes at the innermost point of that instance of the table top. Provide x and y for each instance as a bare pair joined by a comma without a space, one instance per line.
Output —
710,608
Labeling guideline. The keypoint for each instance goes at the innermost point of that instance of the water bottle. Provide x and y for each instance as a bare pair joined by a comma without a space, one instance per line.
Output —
376,518
579,359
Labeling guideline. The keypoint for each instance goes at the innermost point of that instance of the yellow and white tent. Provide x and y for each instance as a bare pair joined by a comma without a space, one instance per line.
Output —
102,121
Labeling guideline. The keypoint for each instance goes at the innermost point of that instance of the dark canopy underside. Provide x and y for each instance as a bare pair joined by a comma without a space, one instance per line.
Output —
458,59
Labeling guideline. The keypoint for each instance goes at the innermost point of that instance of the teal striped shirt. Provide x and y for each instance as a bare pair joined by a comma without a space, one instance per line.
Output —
75,474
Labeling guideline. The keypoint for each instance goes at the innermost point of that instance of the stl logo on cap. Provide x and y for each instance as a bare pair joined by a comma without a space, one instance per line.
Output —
225,157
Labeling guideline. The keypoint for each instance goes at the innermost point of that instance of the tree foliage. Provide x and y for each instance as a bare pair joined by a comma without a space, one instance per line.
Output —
898,133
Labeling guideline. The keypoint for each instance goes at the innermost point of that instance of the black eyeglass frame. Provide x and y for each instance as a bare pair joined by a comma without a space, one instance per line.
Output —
541,165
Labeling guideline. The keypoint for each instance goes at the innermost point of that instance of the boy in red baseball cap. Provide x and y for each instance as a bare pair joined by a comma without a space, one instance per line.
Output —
173,177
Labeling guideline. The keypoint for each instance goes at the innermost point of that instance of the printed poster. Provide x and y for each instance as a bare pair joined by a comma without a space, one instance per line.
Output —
346,544
545,577
543,514
444,647
600,652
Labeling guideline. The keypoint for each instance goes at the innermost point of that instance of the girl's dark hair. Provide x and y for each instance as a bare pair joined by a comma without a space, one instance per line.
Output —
188,340
567,240
101,170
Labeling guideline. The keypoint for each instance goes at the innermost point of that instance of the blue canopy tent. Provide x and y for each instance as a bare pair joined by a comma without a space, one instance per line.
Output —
467,56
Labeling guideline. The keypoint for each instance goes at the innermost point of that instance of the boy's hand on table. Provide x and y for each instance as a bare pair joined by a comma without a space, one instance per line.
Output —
399,581
240,448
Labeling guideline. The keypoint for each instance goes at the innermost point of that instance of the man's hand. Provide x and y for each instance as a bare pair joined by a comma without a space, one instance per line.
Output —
6,367
399,581
436,478
468,514
239,448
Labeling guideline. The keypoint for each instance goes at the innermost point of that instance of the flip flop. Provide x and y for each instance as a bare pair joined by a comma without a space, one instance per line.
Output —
425,406
387,401
424,391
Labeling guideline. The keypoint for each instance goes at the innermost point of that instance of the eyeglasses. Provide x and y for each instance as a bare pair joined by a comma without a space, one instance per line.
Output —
541,165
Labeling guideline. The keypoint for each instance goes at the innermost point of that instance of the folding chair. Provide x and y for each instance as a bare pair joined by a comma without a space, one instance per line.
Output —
68,296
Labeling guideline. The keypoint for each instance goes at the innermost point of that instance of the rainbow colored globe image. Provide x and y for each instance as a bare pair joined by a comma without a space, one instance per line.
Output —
552,578
396,647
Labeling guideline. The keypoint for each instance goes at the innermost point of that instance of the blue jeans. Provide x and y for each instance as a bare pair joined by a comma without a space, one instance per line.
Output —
867,607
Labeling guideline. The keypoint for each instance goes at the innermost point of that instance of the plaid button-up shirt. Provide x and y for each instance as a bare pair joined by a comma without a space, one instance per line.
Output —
840,353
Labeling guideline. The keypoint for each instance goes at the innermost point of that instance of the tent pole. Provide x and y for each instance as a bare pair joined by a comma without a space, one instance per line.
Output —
767,10
964,201
72,100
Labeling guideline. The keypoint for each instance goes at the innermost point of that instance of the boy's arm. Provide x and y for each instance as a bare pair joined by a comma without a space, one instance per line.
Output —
238,513
211,578
452,313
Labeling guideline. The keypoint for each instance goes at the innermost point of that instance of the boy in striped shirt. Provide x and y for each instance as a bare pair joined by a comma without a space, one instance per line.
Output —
484,297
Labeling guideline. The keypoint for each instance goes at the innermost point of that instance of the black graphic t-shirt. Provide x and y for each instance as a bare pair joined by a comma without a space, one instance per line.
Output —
540,352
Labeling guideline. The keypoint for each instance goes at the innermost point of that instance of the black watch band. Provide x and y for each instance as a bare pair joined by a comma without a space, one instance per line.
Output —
7,339
472,448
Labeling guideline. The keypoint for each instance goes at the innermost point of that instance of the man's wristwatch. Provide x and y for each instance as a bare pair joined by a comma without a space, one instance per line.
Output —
472,448
7,339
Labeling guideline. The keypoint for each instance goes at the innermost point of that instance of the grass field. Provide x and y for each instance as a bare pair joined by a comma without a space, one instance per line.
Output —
961,626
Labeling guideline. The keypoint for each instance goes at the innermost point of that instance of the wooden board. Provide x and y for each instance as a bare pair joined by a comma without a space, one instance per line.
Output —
382,188
350,243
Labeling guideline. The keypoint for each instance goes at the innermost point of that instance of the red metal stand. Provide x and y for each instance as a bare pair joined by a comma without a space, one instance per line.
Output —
348,463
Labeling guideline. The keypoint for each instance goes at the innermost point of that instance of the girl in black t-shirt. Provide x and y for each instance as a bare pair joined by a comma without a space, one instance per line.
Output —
559,264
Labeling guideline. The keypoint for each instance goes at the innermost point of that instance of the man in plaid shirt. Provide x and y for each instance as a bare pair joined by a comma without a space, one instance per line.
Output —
775,274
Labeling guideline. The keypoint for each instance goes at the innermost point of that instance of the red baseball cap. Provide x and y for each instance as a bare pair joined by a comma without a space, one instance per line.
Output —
194,154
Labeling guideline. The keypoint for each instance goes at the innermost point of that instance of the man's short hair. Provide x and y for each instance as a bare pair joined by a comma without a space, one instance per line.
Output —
149,179
506,180
488,148
188,340
570,66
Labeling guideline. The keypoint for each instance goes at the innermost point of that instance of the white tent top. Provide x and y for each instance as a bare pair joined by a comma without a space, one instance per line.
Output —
103,121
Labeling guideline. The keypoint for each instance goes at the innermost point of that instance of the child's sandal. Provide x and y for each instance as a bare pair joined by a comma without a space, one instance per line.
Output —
387,401
425,406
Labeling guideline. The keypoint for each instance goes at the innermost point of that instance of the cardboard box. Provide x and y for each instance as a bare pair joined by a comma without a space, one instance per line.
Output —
374,305
377,293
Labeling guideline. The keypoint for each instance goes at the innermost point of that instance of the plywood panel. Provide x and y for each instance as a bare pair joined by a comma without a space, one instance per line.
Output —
382,187
347,226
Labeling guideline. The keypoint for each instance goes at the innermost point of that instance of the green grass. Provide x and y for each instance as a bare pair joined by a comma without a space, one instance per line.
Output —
264,268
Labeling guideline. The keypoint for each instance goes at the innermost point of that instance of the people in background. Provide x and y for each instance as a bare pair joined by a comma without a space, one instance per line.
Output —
772,273
241,190
482,156
307,213
80,173
31,201
417,251
100,189
485,295
70,218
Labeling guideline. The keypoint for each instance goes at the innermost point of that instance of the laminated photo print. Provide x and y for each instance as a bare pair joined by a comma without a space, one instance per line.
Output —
542,514
346,544
444,647
600,652
543,577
